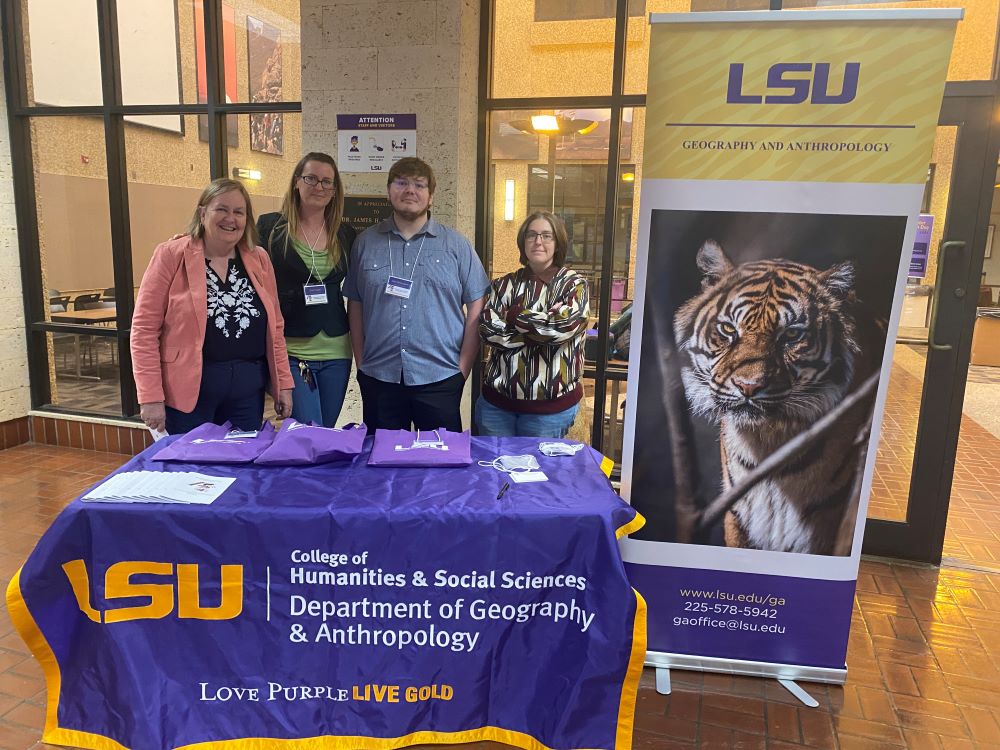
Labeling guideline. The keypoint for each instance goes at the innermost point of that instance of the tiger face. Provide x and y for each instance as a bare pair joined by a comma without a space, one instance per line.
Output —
767,340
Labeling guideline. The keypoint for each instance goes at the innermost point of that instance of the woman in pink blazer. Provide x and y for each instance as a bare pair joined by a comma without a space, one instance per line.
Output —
207,332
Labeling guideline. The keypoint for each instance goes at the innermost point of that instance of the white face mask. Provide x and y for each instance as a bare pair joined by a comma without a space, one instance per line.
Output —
560,449
511,464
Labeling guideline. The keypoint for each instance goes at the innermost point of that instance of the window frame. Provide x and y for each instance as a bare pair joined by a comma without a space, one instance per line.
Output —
617,102
112,112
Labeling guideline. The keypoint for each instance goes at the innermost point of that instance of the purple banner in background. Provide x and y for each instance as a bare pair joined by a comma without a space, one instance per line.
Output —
747,616
921,243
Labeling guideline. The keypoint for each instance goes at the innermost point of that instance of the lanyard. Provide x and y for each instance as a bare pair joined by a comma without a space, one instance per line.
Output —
312,255
420,249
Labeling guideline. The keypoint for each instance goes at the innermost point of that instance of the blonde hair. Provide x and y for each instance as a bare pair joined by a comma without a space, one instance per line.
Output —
216,188
333,214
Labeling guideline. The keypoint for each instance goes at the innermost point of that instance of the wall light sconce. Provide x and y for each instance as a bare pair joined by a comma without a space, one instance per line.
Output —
628,176
508,200
246,174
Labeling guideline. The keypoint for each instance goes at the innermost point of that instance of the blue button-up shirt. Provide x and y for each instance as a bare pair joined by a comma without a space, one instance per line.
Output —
419,338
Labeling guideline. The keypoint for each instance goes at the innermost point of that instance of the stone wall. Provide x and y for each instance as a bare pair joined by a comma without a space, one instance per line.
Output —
14,392
398,56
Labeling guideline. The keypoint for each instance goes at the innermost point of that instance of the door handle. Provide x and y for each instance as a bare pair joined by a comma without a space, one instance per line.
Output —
944,251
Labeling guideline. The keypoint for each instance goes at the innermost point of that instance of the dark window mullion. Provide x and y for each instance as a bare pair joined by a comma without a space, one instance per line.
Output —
485,87
216,88
121,241
610,209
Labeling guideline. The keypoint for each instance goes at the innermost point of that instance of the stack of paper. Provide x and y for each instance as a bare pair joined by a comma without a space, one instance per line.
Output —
159,487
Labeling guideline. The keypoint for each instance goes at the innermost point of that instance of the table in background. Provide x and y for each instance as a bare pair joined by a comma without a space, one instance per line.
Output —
94,316
160,626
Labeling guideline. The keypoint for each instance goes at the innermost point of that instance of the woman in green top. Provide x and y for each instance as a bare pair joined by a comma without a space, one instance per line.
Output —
309,246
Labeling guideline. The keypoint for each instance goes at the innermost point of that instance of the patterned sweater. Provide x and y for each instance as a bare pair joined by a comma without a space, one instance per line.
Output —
534,328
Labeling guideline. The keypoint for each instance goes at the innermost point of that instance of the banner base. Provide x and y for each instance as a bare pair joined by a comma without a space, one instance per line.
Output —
750,668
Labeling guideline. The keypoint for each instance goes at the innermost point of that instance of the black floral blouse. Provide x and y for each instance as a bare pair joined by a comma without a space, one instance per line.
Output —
237,322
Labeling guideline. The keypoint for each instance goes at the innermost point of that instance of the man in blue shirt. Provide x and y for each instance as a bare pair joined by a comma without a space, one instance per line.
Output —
415,290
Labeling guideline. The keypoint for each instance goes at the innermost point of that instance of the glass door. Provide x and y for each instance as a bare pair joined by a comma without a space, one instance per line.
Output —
916,456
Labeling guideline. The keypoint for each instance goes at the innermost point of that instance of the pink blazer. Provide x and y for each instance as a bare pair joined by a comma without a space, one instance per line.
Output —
168,325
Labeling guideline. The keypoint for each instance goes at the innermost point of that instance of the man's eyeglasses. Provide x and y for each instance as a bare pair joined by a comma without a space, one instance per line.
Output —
401,184
312,181
543,236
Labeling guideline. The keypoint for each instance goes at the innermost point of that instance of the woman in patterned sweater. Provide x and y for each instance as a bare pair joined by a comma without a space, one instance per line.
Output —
534,325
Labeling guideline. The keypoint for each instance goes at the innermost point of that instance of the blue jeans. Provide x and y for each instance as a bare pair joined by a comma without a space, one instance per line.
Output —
497,422
322,401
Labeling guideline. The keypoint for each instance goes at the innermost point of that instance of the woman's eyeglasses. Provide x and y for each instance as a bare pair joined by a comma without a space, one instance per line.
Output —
312,181
543,236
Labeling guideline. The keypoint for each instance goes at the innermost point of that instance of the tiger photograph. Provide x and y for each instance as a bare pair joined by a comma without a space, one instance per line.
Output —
763,339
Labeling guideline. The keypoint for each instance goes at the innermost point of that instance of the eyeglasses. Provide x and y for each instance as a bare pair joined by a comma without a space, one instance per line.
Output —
543,236
401,184
312,181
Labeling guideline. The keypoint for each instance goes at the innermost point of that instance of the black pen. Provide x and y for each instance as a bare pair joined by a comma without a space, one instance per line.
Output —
506,486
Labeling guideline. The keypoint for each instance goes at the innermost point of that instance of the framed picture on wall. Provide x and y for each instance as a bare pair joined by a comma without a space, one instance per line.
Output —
990,231
265,74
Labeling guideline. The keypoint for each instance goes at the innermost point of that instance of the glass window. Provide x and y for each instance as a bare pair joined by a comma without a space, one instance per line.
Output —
975,39
637,49
166,174
266,62
153,38
71,194
83,370
572,10
552,160
166,157
64,67
228,63
556,160
701,6
273,148
897,442
74,239
534,57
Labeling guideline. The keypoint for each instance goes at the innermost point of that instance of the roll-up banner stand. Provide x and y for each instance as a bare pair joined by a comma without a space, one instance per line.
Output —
785,159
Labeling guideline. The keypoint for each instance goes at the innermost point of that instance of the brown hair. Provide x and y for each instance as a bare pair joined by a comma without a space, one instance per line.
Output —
333,213
412,167
214,189
558,229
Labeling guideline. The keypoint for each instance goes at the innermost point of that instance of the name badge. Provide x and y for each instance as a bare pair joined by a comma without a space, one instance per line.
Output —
399,287
315,294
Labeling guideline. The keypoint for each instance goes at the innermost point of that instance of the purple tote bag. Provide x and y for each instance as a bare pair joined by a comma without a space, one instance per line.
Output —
300,444
218,444
430,448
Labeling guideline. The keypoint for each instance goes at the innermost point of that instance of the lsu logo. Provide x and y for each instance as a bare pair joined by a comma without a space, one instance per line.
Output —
798,87
160,597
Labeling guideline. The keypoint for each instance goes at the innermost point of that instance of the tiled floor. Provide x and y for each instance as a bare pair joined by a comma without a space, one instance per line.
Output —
923,661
